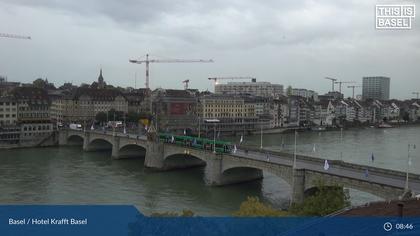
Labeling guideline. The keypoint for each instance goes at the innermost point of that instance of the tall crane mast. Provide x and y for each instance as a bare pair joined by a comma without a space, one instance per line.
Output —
186,83
343,82
148,61
14,36
352,87
332,82
417,93
216,79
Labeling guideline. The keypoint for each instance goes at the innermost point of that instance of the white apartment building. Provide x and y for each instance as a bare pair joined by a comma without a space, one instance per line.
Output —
305,93
259,89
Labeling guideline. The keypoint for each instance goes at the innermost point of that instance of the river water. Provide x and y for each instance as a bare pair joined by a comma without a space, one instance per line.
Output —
67,175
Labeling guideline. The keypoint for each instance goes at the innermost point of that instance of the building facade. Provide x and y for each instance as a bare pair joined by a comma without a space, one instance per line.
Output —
8,111
174,111
260,89
376,87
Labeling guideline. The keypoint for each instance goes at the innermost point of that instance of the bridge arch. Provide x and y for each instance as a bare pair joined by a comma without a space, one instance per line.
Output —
282,172
98,144
132,151
75,139
183,160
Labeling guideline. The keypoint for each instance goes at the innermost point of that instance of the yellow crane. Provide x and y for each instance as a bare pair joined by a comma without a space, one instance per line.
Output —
147,61
14,36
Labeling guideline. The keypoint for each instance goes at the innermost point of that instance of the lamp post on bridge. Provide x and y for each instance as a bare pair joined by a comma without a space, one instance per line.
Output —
214,121
261,141
412,146
295,150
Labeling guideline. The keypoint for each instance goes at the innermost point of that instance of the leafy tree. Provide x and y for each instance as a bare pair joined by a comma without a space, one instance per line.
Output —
326,200
289,90
39,83
184,213
101,117
133,117
119,115
252,207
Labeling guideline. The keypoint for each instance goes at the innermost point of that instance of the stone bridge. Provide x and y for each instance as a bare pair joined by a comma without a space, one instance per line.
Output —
224,169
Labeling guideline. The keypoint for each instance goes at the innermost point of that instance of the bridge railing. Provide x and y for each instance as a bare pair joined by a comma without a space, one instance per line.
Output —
340,163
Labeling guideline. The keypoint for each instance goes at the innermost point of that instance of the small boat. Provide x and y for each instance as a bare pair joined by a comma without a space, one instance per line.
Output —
384,125
318,128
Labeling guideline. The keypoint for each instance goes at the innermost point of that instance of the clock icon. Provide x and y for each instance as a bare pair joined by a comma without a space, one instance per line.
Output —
387,226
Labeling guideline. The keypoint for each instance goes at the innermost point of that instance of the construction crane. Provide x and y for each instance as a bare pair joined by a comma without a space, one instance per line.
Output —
352,87
332,82
148,61
14,36
343,82
216,79
417,93
186,83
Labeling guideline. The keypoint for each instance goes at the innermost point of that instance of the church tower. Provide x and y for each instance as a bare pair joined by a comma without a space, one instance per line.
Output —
101,82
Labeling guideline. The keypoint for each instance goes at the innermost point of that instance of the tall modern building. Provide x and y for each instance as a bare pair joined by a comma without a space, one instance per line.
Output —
376,87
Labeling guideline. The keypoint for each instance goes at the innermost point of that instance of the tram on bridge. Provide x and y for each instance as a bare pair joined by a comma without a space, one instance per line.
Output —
197,143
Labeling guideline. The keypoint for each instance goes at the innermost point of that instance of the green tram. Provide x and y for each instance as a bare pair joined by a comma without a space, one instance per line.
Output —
195,142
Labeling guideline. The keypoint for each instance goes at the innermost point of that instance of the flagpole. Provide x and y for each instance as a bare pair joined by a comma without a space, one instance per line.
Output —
408,165
214,138
261,141
341,144
294,153
199,127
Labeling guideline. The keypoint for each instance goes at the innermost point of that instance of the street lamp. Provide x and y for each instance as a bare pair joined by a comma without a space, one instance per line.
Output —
413,146
261,141
214,121
294,153
341,143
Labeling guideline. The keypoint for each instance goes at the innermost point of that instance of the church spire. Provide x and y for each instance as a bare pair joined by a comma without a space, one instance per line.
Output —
101,82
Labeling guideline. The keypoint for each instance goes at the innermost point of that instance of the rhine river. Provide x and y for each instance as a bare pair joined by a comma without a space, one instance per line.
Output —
67,175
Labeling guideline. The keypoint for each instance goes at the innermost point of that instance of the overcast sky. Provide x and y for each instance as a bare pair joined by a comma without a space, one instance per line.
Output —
294,43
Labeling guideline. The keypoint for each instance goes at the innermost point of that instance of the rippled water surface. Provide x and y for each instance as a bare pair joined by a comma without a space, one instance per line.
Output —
67,175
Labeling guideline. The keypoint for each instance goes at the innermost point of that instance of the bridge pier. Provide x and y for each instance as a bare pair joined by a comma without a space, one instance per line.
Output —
86,141
154,156
298,186
62,137
115,148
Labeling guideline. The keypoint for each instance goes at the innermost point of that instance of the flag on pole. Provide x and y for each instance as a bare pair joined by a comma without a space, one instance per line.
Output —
366,173
326,165
314,148
372,158
242,139
172,139
234,149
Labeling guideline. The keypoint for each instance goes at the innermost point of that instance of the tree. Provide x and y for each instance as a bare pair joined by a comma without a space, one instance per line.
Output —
133,117
253,207
326,200
289,90
39,83
101,117
184,213
118,115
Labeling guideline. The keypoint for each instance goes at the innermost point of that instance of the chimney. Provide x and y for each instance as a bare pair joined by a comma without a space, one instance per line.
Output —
400,209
